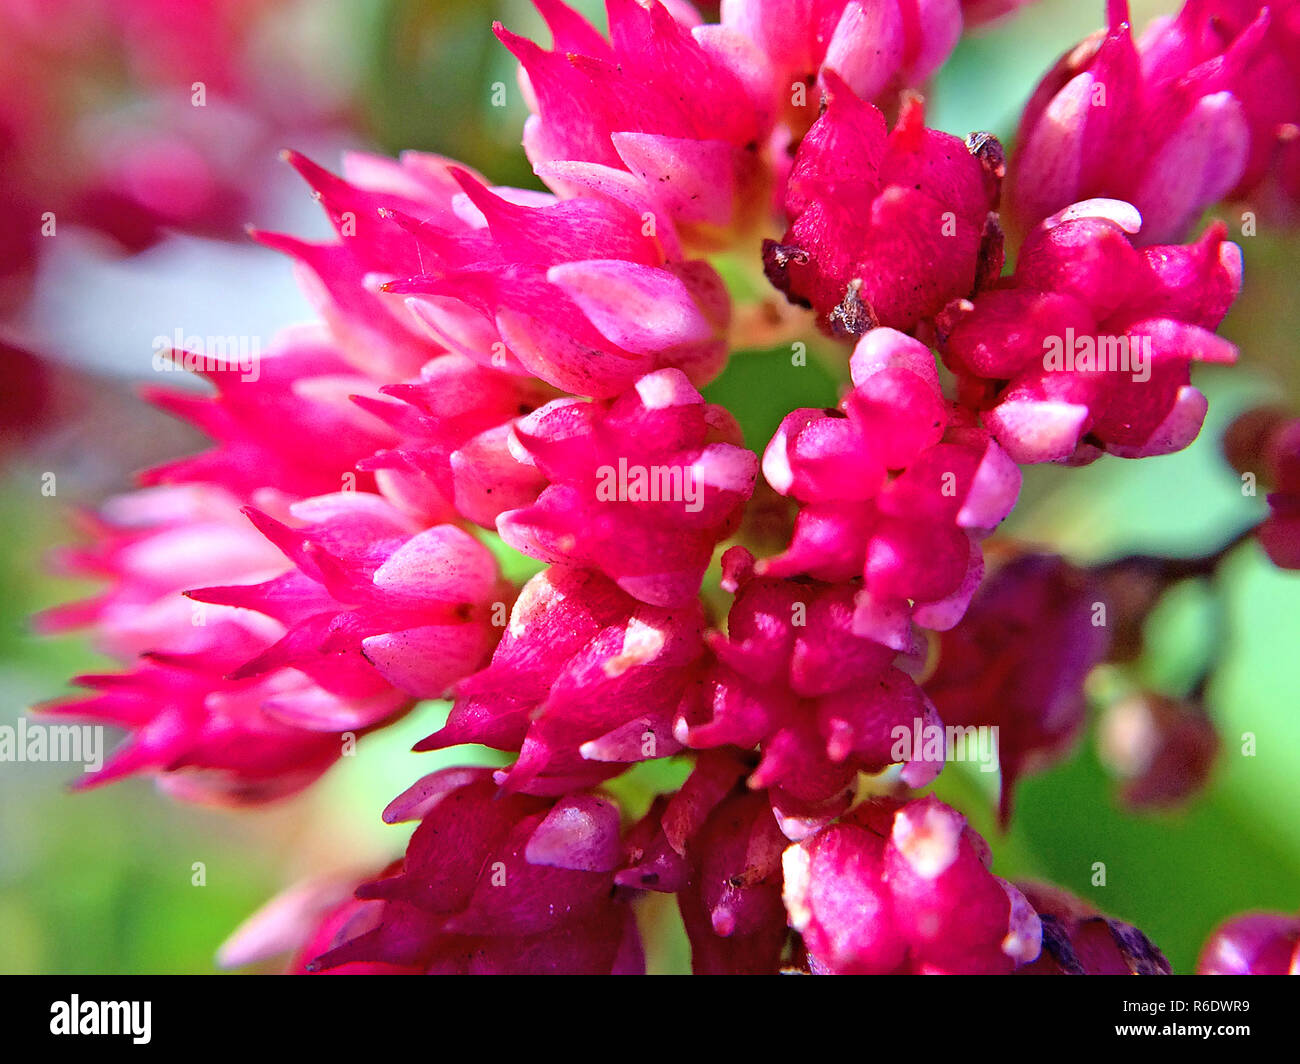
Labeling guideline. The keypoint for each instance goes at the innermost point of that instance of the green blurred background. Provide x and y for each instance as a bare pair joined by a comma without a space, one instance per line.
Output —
104,882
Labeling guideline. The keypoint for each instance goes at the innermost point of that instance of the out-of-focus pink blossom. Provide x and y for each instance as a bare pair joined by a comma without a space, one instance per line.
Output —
209,738
1162,749
136,117
208,728
151,545
305,920
1280,533
303,381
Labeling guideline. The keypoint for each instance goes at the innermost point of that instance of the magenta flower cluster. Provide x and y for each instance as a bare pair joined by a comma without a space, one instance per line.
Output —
501,369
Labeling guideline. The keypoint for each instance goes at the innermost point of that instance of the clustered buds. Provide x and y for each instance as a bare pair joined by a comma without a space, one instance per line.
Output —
211,731
496,884
1157,124
516,374
1087,347
371,593
452,456
1201,107
579,293
885,227
640,488
584,680
821,702
905,887
896,486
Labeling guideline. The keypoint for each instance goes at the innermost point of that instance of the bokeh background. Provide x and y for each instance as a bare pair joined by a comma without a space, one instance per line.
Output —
152,194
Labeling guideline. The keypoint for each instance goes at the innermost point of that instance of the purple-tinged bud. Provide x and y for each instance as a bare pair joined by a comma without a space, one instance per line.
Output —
1162,749
1260,943
718,847
1017,662
821,702
496,884
1078,940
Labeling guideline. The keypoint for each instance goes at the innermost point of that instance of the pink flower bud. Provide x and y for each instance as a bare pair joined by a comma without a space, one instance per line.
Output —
1078,940
822,702
1087,346
885,228
1172,124
497,884
875,46
641,487
1253,944
898,888
611,117
372,596
584,681
896,486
